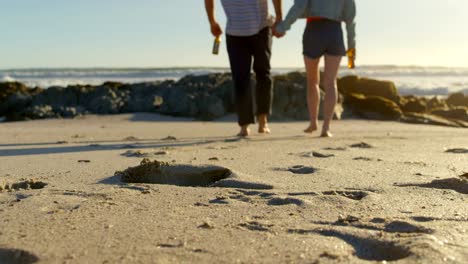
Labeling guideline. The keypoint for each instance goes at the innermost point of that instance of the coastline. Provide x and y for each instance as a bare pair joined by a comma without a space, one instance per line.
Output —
409,80
209,96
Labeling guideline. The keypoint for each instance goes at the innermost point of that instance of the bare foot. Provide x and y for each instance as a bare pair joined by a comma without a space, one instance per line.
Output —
326,134
264,130
310,129
244,132
263,124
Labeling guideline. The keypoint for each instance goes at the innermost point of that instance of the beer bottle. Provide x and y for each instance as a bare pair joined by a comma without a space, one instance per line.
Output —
351,54
216,44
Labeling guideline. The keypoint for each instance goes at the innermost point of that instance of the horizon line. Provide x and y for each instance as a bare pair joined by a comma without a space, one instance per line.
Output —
211,67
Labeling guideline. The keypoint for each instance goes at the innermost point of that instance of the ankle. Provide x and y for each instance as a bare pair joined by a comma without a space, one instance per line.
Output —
262,120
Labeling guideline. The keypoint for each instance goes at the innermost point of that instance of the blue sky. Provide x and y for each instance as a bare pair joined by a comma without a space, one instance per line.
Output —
168,33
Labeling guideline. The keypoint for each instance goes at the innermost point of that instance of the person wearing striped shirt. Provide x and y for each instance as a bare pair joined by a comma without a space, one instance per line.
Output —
249,31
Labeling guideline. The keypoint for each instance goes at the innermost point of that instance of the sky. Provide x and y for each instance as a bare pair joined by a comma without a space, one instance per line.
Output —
175,33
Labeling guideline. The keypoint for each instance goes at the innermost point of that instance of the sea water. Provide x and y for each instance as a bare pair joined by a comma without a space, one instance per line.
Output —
425,81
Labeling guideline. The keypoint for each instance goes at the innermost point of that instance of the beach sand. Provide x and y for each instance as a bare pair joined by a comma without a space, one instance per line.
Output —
398,197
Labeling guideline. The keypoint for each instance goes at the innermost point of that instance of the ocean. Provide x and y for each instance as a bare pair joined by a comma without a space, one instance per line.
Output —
423,81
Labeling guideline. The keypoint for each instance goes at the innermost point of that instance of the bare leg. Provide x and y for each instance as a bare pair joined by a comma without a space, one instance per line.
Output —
244,132
313,92
263,124
332,64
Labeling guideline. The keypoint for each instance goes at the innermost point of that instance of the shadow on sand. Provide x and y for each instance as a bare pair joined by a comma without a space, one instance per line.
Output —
454,184
106,145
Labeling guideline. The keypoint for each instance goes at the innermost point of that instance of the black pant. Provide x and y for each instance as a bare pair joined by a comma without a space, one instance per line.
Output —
241,51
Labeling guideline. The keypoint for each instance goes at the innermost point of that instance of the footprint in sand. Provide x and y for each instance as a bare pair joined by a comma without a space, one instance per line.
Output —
317,155
17,256
457,151
361,145
220,200
136,153
363,158
380,224
353,195
459,185
299,169
156,172
256,226
285,201
365,247
336,149
25,185
383,239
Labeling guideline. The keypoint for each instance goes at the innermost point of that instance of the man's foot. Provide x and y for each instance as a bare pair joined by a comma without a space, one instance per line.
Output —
326,134
263,124
310,129
244,132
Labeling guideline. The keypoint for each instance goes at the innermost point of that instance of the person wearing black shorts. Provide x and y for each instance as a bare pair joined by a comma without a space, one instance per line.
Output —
323,37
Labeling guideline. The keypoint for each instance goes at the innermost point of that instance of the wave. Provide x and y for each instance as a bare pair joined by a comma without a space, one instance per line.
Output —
6,78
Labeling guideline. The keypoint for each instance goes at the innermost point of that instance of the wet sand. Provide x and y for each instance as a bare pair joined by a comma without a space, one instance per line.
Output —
376,191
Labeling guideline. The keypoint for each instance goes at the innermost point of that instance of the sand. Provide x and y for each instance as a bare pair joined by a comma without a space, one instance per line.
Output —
376,191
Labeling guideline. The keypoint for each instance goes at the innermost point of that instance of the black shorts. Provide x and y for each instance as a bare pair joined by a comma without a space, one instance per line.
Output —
321,37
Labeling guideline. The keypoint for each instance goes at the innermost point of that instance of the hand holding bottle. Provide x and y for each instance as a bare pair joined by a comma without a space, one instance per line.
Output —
351,54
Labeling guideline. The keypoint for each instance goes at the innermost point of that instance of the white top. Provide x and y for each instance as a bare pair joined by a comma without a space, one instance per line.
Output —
245,17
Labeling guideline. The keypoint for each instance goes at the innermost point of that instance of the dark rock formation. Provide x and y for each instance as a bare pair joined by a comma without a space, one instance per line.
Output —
373,107
457,99
211,96
413,104
290,98
355,85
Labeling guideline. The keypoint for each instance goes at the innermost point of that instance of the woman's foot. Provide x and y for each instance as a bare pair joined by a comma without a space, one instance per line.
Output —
244,132
264,130
326,134
311,128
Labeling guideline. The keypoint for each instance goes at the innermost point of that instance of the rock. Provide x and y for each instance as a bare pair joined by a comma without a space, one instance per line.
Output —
457,99
209,107
177,102
71,111
57,97
290,98
37,112
355,85
107,101
413,104
15,103
418,118
373,107
9,88
459,113
145,97
436,103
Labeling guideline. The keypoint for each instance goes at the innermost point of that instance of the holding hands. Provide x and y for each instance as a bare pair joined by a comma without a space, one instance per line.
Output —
275,32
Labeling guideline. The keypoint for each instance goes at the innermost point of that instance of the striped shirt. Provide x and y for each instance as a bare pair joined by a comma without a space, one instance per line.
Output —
245,17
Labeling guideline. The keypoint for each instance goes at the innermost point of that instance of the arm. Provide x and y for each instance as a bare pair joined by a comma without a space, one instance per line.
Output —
278,10
294,13
214,26
278,17
349,15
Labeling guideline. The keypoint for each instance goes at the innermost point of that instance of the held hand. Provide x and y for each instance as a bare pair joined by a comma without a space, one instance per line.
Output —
276,33
216,29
